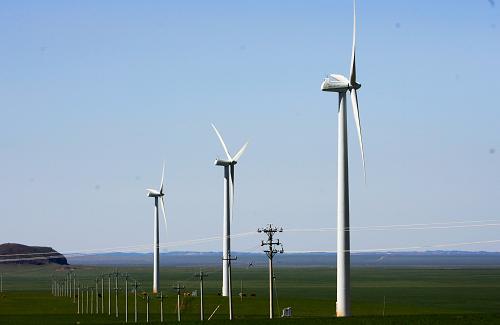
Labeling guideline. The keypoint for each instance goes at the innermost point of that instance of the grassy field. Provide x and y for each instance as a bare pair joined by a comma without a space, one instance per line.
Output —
419,296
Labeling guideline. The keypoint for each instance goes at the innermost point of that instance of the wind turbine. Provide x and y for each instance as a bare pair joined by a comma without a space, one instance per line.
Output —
228,208
340,84
158,195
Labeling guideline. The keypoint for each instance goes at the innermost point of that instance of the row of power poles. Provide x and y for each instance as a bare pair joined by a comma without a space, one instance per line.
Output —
83,294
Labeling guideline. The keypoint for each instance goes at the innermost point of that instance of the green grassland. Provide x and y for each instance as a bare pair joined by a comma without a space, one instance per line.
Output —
412,296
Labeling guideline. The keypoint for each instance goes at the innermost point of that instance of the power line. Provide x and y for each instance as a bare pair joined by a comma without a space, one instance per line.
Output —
96,251
113,249
414,226
390,249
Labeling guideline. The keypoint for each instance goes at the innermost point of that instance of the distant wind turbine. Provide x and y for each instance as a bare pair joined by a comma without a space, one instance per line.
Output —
157,194
340,84
228,208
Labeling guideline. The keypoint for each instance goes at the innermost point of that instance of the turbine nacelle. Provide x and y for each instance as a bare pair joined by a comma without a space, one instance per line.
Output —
225,163
338,83
154,193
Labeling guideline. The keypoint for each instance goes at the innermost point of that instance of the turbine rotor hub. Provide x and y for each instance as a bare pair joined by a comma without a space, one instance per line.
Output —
354,86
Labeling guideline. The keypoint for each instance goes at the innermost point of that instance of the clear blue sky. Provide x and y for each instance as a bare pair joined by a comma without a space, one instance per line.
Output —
95,94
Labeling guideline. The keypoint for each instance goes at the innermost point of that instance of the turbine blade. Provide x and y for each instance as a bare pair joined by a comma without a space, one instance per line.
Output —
352,78
231,175
162,176
355,110
162,203
240,152
222,142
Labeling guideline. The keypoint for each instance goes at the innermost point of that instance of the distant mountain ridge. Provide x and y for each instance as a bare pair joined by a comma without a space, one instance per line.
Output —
11,253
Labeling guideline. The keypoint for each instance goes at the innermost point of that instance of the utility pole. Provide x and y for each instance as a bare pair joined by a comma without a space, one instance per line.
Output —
97,295
87,301
383,310
179,288
116,294
102,294
74,287
69,284
161,297
135,300
201,275
91,300
146,297
241,290
78,301
109,294
81,309
270,252
126,297
230,282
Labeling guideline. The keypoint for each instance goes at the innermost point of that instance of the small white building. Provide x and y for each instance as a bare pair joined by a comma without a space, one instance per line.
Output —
286,312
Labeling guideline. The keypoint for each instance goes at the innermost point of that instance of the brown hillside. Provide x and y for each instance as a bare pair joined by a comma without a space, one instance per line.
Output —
11,253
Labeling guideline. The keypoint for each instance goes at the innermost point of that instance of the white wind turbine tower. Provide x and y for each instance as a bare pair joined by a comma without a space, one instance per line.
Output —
228,208
158,195
340,84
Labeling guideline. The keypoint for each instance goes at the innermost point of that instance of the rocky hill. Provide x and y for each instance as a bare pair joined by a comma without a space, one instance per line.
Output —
11,253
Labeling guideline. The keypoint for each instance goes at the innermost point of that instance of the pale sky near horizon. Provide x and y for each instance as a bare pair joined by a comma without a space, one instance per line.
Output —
94,95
